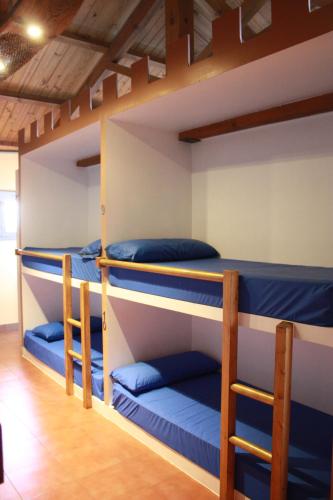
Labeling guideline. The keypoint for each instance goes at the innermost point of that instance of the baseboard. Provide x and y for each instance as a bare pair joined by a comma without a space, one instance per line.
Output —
12,327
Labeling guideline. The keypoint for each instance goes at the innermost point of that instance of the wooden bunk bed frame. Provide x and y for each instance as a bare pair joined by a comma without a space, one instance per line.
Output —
69,322
280,400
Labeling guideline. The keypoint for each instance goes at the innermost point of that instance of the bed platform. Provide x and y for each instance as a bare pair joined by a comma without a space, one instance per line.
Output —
301,294
53,355
82,268
186,417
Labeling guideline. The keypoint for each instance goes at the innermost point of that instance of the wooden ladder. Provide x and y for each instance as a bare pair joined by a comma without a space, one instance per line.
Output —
280,400
84,326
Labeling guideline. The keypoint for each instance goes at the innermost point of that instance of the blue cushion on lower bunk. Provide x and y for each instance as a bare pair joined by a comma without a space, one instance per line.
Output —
50,331
147,375
186,416
52,354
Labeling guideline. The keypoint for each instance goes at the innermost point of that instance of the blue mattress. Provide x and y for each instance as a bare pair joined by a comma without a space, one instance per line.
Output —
186,417
295,293
52,354
82,268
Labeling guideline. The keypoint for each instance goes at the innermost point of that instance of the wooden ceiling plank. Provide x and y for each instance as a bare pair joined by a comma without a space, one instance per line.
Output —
291,111
139,53
250,8
118,46
84,42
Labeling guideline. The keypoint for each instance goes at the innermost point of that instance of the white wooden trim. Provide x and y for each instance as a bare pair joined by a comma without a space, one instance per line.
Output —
176,459
308,333
93,286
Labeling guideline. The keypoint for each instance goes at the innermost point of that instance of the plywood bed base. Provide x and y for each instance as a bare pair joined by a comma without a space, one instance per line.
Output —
83,324
280,400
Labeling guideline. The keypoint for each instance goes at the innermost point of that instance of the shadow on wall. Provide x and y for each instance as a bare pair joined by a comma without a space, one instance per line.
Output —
141,332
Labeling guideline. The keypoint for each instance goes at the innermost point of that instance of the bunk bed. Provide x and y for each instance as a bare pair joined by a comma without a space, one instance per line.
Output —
186,415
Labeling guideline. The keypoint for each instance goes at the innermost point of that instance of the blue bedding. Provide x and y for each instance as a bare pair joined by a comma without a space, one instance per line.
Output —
83,268
295,293
52,354
186,417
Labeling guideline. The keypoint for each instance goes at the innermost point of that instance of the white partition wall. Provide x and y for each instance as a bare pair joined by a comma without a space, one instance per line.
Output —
60,207
266,195
148,195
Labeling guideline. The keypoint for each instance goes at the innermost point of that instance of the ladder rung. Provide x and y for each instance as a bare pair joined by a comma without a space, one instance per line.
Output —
258,451
74,354
74,322
262,396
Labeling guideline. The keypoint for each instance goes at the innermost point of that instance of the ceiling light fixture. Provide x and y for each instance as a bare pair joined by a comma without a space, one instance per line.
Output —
34,31
3,66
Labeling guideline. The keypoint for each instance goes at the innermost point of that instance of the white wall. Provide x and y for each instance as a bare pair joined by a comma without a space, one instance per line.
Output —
267,194
148,194
93,199
8,267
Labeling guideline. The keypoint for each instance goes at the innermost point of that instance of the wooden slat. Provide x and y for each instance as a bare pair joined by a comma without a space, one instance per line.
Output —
250,392
89,162
252,448
119,68
68,332
165,270
74,322
179,22
118,46
229,377
290,111
39,255
281,409
75,355
85,342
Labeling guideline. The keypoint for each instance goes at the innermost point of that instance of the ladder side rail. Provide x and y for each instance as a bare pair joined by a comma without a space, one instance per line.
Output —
86,344
68,330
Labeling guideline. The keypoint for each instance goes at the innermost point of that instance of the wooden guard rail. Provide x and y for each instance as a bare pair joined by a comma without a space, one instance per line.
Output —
69,322
280,400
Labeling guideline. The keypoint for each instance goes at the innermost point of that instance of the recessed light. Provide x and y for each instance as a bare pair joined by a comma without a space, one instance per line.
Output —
34,31
3,66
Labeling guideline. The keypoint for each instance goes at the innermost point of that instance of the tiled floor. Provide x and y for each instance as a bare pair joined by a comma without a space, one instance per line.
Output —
54,449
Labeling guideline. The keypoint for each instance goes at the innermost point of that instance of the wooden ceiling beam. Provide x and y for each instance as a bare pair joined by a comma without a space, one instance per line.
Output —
84,42
139,54
8,146
119,68
23,98
179,21
121,42
290,111
89,162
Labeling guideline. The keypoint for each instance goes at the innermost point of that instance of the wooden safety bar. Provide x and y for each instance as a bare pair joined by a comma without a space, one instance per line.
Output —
69,322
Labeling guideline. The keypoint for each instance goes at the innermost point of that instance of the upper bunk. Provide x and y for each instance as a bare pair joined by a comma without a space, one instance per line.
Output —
60,210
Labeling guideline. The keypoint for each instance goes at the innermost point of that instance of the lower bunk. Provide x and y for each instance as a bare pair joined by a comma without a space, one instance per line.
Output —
183,412
52,354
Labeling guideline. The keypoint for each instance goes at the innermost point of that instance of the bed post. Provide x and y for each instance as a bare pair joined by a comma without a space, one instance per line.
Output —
229,376
281,409
68,330
85,342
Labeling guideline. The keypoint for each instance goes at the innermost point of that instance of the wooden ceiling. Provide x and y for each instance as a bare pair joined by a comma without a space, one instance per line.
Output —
104,37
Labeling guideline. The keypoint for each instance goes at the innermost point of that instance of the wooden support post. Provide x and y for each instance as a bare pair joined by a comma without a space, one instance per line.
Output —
281,409
179,22
85,343
229,376
68,331
331,493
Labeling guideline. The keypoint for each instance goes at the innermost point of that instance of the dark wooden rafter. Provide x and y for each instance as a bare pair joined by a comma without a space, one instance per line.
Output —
179,22
290,111
25,98
89,162
121,43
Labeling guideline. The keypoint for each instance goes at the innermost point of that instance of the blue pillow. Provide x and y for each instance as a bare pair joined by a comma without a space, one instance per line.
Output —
147,375
160,250
50,331
93,250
